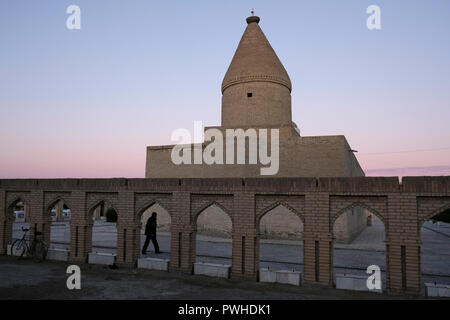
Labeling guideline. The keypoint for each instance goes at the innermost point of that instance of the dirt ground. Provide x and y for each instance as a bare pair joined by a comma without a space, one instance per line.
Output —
26,279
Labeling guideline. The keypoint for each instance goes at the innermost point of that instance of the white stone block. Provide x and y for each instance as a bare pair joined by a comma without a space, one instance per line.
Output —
353,282
289,277
102,258
153,264
58,254
437,290
266,275
443,290
212,269
431,290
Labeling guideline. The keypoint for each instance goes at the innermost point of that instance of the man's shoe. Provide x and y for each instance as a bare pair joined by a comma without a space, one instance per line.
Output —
144,253
157,252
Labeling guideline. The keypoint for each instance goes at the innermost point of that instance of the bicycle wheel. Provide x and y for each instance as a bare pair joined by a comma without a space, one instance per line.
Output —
39,251
18,248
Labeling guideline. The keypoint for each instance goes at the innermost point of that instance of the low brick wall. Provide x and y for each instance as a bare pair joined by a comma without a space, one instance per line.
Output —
318,202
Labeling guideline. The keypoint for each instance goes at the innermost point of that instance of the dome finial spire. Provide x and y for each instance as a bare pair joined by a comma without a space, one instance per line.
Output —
252,18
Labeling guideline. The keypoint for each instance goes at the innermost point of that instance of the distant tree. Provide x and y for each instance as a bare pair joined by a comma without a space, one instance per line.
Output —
111,215
443,217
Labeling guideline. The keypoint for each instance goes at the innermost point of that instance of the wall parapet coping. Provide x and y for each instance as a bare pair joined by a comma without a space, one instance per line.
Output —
301,185
426,184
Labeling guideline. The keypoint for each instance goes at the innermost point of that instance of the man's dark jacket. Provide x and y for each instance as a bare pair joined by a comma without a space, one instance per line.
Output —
150,227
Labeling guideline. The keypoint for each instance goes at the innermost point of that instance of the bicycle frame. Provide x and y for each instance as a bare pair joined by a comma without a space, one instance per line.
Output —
29,244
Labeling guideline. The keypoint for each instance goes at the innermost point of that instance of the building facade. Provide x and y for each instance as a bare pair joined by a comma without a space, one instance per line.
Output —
256,94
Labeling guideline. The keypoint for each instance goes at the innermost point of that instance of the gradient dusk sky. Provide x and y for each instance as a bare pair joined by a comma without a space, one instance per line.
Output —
86,103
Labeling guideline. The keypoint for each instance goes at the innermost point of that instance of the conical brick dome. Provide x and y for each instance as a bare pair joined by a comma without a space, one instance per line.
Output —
255,60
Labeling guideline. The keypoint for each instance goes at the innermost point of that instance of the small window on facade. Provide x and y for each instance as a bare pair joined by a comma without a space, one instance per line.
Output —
249,94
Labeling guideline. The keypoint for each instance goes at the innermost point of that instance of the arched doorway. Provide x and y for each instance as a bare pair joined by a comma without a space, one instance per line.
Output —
60,225
18,218
213,236
163,229
359,241
104,230
280,240
435,249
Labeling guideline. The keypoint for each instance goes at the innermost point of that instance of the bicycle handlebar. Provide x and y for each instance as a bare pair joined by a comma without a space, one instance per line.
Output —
27,229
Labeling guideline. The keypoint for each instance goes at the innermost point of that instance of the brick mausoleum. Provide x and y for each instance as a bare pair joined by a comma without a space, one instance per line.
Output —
256,94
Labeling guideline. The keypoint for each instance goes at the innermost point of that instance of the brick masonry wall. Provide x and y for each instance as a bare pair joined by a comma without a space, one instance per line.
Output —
318,202
316,156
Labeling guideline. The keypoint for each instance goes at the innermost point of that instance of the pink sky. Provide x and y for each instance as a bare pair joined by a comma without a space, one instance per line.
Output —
87,103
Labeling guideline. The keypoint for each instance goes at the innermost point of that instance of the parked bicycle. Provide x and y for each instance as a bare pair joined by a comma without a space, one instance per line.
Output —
37,250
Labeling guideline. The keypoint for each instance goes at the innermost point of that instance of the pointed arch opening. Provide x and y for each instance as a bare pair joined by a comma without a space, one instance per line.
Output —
102,218
435,248
280,230
359,241
18,219
59,213
213,237
162,241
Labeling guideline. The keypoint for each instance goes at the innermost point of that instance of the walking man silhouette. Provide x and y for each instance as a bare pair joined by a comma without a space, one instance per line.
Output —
150,232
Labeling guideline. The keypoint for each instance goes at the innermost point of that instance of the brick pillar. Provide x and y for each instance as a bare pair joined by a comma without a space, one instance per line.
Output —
326,259
175,249
189,254
413,272
317,240
80,241
245,261
80,229
318,258
403,245
126,245
26,212
125,228
309,270
4,235
137,240
6,232
189,249
74,251
121,244
37,218
245,239
45,228
134,244
403,267
183,234
183,249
